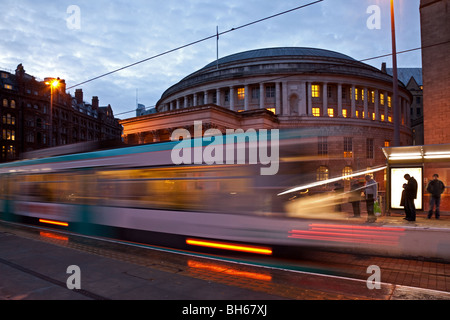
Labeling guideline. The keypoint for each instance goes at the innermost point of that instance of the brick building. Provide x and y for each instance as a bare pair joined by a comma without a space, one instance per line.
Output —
435,26
26,116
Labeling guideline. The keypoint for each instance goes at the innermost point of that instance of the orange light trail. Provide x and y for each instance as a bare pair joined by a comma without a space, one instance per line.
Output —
57,223
228,271
229,246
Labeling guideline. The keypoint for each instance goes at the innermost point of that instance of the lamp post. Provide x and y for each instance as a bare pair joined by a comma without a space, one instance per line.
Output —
395,80
53,85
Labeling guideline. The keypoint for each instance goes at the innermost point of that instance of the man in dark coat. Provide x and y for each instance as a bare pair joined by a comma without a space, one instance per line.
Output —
410,196
435,188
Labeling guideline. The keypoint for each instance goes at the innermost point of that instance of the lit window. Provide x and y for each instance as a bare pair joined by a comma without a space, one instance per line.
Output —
331,112
382,99
272,110
323,173
5,103
315,91
344,113
389,102
8,86
387,143
316,112
357,113
347,172
373,96
356,94
348,147
373,116
363,94
390,119
241,93
383,118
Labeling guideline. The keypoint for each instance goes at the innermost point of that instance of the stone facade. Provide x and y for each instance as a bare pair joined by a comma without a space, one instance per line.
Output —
346,103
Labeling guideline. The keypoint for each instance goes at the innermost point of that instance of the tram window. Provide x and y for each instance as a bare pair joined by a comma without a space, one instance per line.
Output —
199,188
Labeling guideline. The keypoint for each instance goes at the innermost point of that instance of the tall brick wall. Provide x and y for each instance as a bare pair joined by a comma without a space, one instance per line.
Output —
435,21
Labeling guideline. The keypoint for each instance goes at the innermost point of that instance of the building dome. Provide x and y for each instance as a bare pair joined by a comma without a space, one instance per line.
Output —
345,105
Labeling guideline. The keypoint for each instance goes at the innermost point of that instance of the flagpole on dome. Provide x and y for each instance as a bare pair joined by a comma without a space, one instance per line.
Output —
217,47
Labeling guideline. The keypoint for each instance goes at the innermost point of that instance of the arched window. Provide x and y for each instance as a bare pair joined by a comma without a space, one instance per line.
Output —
347,172
323,173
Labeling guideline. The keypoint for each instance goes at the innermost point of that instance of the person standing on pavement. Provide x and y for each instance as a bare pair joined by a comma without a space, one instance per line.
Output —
410,195
435,187
371,192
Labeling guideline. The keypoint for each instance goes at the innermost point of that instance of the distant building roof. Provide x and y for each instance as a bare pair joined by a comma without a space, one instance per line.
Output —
405,75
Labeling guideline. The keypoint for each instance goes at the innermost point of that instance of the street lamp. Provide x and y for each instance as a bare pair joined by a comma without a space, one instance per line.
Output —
395,76
53,85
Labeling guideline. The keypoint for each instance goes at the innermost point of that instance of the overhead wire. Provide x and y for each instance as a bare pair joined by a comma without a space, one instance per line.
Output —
196,42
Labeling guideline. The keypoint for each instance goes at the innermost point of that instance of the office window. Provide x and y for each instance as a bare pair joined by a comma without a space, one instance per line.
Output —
323,146
315,91
323,173
270,91
255,93
331,112
241,93
316,112
389,102
373,96
383,118
382,99
348,147
390,119
344,113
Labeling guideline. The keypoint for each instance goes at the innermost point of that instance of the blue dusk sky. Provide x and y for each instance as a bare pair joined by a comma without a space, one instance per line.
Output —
51,39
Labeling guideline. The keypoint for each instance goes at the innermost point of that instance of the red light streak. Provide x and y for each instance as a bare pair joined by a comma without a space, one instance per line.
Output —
350,234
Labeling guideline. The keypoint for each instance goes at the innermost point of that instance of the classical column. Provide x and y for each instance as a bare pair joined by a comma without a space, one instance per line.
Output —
195,99
284,98
310,99
178,103
246,97
302,105
232,98
353,102
186,102
218,97
339,100
205,97
261,96
278,98
366,104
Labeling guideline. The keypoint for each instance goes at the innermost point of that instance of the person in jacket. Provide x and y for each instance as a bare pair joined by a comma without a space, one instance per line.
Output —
435,188
410,195
371,192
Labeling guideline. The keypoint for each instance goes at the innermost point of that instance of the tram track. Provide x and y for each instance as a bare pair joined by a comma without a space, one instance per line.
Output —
396,271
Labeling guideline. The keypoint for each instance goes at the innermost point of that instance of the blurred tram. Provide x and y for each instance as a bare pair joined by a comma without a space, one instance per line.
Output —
137,194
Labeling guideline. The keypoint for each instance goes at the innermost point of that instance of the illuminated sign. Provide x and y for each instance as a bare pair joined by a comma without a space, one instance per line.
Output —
397,182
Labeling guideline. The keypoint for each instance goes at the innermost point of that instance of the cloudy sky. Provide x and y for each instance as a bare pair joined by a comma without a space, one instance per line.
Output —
47,37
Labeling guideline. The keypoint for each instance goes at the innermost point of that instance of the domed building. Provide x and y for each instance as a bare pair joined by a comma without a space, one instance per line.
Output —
289,87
